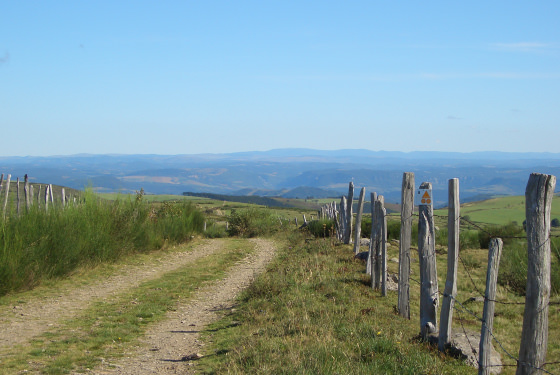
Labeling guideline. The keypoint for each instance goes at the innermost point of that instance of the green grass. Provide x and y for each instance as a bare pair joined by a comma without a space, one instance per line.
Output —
108,329
43,244
314,312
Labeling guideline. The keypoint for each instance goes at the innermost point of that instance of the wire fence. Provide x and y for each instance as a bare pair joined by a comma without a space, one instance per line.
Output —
491,231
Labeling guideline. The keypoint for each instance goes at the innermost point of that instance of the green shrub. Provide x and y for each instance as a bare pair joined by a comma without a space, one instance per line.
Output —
252,222
215,231
513,266
321,228
505,232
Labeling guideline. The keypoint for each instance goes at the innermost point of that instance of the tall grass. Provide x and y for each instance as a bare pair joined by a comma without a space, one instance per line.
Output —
44,244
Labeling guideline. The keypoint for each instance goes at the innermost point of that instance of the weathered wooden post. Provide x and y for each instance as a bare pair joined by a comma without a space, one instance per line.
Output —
26,192
343,212
485,346
349,214
358,230
17,195
407,207
378,256
427,259
534,336
46,197
51,195
63,197
383,234
370,261
450,291
6,191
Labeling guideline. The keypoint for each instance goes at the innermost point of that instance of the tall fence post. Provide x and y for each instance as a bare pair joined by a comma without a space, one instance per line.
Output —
342,218
51,194
38,196
26,192
485,346
371,253
349,214
407,207
6,192
383,234
450,290
428,270
534,335
358,230
17,195
46,197
377,270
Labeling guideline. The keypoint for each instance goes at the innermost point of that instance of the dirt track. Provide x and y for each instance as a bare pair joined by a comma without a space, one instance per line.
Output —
166,343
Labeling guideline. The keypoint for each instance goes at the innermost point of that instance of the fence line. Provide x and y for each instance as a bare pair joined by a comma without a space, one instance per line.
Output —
536,309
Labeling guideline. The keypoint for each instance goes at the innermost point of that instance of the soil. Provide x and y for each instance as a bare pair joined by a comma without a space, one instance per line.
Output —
170,346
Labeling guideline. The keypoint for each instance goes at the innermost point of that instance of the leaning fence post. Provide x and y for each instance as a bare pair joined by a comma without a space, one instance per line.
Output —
450,290
358,231
534,336
428,270
349,214
407,206
485,346
6,191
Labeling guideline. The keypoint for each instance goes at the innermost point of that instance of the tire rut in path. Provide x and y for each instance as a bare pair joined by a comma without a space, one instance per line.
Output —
21,323
166,343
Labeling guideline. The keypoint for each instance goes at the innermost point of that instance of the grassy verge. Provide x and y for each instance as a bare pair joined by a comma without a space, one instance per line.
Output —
314,312
108,329
43,244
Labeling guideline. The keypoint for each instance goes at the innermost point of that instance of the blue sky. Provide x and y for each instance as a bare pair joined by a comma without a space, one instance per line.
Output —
187,77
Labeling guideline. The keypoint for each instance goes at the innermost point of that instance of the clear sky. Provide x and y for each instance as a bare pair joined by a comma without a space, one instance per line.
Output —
186,77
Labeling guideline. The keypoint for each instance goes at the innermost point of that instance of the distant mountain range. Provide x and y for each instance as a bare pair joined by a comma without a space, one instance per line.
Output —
290,173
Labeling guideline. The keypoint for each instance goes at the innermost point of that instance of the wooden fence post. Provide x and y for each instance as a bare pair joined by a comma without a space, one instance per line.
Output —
6,191
38,196
371,253
383,235
450,290
378,256
358,230
342,218
407,207
51,194
26,192
17,195
534,336
485,346
349,214
428,271
46,197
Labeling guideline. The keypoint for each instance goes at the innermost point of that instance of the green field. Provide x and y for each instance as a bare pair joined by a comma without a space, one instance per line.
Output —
500,211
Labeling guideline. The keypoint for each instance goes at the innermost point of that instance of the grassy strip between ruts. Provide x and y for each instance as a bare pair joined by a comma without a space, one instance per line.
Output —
108,328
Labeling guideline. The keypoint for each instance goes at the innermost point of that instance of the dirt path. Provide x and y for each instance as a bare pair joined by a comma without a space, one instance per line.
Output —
22,322
165,345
